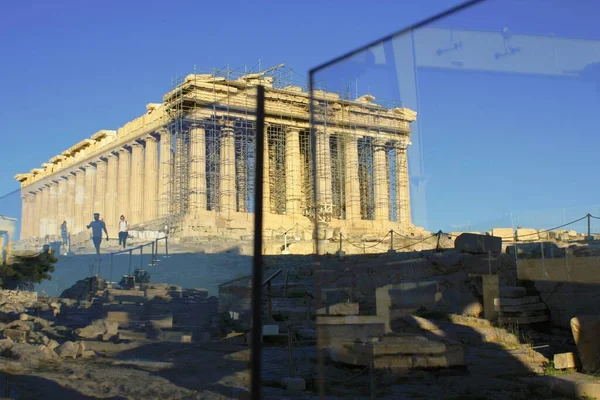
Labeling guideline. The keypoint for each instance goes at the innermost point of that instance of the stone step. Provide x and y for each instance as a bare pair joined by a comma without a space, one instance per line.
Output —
510,302
522,320
339,309
332,329
523,313
445,356
512,291
175,337
523,308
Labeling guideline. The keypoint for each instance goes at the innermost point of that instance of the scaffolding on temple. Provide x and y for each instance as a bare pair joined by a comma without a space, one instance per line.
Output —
344,144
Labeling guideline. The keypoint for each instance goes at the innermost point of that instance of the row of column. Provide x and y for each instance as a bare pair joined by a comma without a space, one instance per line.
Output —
129,181
137,180
381,185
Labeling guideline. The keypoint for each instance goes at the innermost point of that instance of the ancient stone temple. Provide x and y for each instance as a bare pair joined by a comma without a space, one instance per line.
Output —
189,163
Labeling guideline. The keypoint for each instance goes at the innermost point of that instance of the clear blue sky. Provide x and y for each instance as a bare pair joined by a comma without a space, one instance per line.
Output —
71,68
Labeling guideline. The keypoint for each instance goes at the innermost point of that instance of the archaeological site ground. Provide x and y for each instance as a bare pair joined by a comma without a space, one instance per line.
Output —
379,251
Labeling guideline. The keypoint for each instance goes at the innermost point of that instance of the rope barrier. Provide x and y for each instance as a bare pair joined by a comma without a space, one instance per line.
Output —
420,241
366,247
551,229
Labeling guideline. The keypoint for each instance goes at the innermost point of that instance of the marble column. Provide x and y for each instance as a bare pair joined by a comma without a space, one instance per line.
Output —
266,173
33,221
110,194
293,180
352,192
24,212
136,184
80,217
380,181
88,199
402,186
100,188
37,214
123,183
198,169
151,179
165,173
53,210
323,168
44,231
227,194
62,202
70,207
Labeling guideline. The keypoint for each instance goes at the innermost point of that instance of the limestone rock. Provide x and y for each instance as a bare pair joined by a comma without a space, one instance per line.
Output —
52,344
99,328
23,317
20,325
586,331
565,360
68,349
16,335
24,353
48,351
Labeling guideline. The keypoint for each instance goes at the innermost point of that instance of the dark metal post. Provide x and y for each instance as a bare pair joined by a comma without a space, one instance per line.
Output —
257,271
269,300
341,243
129,268
291,350
392,241
111,267
142,256
588,221
153,255
166,246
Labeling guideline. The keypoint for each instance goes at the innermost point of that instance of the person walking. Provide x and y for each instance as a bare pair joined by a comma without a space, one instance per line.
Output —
97,228
123,230
65,236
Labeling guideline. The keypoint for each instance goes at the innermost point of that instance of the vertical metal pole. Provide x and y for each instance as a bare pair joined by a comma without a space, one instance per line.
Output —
373,381
588,221
166,246
291,350
285,286
142,256
341,243
257,269
111,268
392,241
129,268
269,300
153,256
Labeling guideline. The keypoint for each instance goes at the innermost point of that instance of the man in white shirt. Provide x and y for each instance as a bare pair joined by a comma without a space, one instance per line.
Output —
123,230
97,228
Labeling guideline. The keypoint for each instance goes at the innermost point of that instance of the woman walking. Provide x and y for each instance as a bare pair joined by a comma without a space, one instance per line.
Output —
123,230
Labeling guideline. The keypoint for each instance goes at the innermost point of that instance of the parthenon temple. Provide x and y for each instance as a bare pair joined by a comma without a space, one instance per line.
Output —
189,162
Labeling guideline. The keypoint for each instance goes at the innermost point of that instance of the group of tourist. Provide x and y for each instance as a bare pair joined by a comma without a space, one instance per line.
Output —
98,226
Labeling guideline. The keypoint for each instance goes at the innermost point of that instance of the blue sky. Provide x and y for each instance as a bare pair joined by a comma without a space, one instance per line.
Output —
71,68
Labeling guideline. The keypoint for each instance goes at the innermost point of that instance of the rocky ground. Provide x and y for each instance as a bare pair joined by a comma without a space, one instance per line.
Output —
164,342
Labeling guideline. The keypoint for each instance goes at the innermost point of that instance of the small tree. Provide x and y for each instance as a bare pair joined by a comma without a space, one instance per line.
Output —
24,271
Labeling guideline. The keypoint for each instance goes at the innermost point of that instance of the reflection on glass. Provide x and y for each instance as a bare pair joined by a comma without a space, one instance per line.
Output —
454,212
